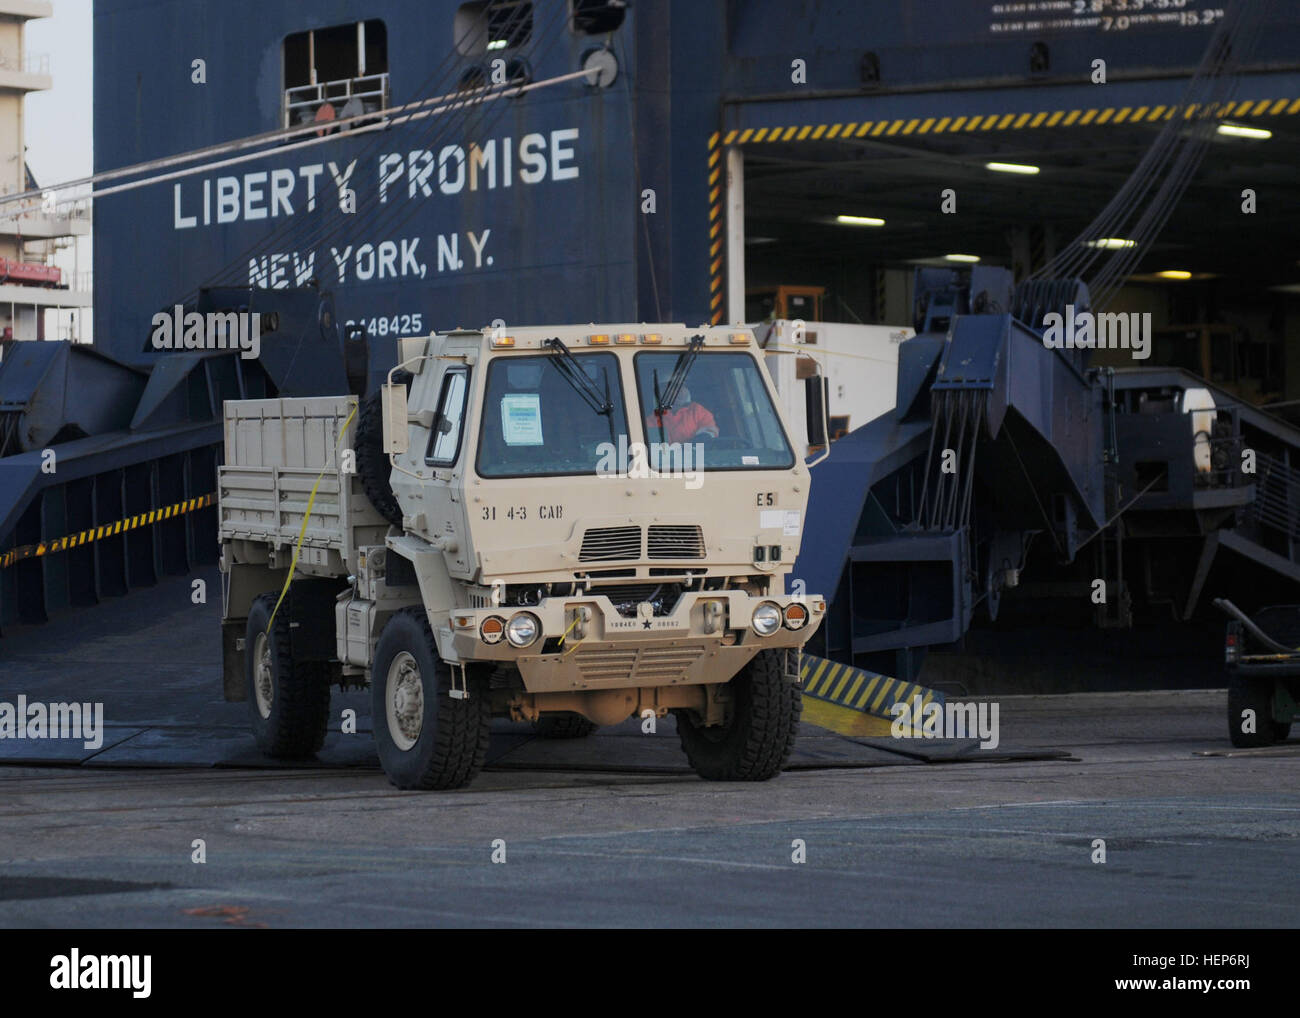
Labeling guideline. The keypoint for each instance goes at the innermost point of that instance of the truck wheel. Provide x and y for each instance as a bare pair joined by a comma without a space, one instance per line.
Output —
425,738
1256,695
757,739
288,700
372,464
563,726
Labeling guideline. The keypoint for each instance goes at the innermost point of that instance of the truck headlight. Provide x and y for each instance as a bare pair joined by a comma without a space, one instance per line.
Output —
767,619
796,616
522,629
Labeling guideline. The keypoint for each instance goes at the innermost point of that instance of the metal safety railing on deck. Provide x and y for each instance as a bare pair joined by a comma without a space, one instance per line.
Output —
1277,496
302,102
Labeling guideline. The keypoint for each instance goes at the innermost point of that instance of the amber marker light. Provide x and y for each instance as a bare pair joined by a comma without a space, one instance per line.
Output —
493,629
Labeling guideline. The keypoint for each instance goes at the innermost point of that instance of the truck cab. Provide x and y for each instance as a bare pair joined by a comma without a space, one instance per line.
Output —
587,523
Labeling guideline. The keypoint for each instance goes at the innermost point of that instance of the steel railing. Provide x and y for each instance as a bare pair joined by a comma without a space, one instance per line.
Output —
302,102
27,63
1277,496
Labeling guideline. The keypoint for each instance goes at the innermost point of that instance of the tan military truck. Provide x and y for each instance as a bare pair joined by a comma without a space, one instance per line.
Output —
569,526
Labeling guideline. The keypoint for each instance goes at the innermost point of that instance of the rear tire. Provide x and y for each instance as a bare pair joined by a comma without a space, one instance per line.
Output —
1254,695
426,739
563,726
288,700
756,740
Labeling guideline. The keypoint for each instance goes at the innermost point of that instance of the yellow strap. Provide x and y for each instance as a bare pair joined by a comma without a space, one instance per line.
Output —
576,616
293,564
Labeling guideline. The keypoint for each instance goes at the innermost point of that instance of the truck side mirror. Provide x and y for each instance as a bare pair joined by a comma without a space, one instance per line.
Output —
356,358
815,398
392,400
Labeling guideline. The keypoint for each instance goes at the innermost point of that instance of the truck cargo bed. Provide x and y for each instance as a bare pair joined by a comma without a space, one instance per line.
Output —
277,450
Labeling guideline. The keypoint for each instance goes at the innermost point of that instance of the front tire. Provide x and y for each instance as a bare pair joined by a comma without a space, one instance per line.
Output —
1255,695
425,738
288,700
759,734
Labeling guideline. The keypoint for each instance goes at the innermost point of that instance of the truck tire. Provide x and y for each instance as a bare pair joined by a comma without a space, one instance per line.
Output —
288,700
372,464
563,726
426,739
756,741
1250,694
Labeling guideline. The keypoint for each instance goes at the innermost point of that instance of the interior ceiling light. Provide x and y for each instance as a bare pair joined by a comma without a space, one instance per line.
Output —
961,258
1242,131
1011,168
1112,243
859,221
1174,274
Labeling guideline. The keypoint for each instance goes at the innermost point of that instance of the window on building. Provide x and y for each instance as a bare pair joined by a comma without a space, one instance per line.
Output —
337,72
487,26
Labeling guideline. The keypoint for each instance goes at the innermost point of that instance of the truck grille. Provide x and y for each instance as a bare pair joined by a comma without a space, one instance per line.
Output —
606,543
638,667
676,542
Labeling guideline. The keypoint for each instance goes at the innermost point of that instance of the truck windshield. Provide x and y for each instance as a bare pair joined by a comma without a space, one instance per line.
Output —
537,422
722,404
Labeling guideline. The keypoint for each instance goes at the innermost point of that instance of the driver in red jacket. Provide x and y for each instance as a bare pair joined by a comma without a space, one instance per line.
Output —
683,423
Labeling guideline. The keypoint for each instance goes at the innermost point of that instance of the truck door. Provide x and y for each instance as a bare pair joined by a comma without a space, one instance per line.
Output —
447,455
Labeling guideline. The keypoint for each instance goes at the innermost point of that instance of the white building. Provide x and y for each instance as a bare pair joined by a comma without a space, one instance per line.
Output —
31,233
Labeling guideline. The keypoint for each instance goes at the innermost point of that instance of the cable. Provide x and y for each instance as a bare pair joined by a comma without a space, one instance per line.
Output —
267,138
451,65
512,92
308,230
317,233
1165,171
438,130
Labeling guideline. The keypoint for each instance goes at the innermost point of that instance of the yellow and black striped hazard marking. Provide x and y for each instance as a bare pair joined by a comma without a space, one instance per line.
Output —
858,689
715,229
1017,121
853,701
1022,120
27,551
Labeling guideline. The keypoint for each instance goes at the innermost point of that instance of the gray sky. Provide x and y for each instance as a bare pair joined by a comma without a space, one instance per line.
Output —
59,121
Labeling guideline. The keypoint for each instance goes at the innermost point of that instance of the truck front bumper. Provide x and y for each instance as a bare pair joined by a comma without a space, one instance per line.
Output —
582,642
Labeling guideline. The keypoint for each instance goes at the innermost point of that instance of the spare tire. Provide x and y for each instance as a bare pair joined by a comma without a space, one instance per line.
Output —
372,464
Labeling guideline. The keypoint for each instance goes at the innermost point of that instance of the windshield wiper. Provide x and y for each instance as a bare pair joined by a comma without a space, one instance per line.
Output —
664,402
566,364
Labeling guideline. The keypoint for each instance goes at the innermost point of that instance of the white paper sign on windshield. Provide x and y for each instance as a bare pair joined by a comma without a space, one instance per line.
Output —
521,418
